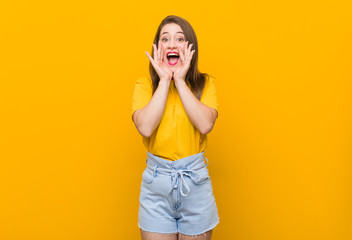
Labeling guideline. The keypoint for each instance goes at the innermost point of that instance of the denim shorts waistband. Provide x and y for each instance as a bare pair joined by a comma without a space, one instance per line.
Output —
189,162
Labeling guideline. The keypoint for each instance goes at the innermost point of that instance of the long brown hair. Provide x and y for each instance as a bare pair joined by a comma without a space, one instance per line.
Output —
194,77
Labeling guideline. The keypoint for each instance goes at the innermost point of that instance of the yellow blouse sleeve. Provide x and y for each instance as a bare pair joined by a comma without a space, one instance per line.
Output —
142,93
209,96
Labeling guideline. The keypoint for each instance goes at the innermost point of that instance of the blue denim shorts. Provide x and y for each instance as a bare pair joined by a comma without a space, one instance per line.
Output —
177,196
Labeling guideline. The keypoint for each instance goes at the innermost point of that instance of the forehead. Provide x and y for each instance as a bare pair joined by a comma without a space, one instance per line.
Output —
171,28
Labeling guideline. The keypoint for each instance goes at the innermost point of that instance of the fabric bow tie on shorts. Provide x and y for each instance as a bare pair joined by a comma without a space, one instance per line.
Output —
180,173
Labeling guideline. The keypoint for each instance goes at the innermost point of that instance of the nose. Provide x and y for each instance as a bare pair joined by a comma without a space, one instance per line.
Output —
171,44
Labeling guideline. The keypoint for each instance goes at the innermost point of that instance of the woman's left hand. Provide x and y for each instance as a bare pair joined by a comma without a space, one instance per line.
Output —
180,73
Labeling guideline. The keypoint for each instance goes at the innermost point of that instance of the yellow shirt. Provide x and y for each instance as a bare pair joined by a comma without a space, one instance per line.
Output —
175,137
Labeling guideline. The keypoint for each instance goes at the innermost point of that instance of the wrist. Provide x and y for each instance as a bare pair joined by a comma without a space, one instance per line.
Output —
179,82
165,82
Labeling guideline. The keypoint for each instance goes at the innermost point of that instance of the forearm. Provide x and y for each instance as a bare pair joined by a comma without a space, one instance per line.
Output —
199,114
149,117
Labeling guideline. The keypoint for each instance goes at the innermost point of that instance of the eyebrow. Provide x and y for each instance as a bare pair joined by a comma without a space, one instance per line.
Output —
167,33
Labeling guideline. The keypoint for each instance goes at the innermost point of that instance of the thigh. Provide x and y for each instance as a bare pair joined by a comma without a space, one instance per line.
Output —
204,236
158,236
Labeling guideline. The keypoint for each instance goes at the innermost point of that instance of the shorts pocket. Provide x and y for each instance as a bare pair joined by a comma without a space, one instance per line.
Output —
147,176
202,176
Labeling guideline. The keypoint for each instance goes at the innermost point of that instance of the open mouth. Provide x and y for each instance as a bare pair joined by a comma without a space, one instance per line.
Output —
172,58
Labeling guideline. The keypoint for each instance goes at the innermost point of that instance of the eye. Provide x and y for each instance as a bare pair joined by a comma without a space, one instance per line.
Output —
180,39
163,39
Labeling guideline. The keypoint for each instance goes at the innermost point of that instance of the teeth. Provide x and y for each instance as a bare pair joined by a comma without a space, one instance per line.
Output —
172,54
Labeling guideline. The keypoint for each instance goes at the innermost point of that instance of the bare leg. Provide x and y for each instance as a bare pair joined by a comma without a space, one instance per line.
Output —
158,236
203,236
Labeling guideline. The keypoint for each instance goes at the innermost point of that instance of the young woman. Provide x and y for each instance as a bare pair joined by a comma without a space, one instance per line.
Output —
174,110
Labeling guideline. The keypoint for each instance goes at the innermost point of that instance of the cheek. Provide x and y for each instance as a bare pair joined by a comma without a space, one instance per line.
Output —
162,45
163,49
181,47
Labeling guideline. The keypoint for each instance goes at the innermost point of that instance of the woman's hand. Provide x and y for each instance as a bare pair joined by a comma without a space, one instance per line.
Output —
180,73
159,65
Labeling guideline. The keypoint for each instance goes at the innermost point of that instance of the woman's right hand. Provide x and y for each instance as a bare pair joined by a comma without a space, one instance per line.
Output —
159,65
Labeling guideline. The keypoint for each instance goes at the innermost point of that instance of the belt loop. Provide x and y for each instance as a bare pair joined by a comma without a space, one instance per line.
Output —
207,160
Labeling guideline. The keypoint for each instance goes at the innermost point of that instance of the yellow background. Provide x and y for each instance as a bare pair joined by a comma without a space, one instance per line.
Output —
279,155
